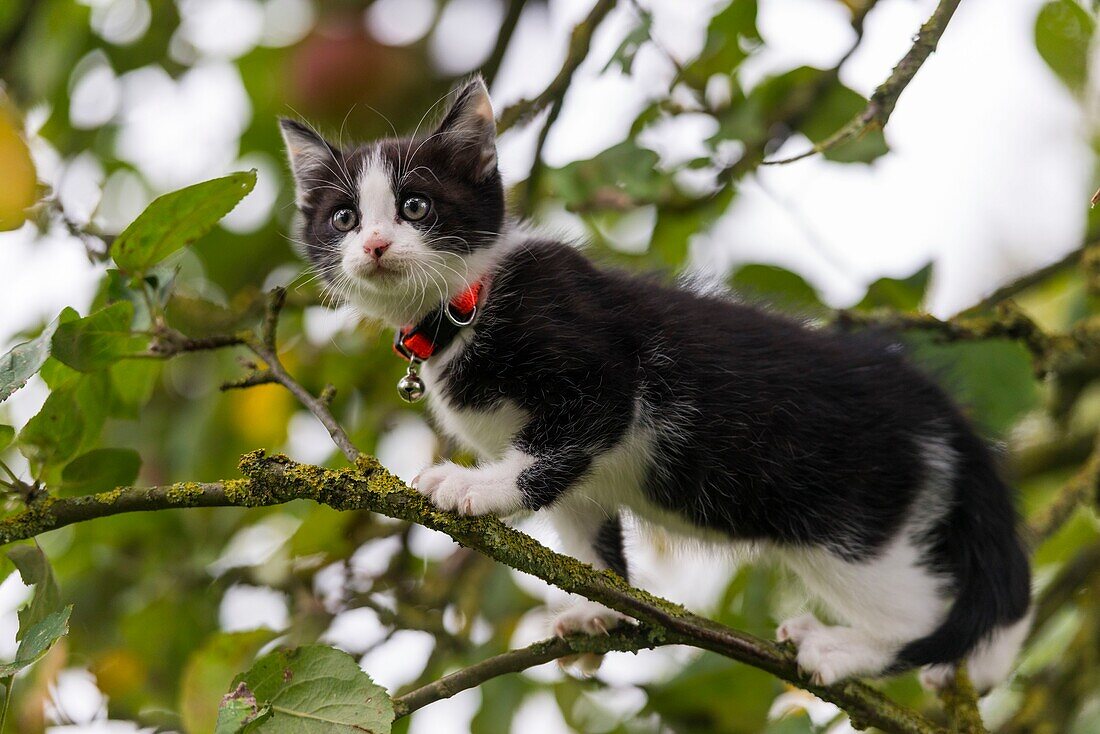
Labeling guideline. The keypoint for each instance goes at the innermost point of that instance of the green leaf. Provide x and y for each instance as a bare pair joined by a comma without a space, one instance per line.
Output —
835,110
100,470
628,49
54,434
309,689
775,285
993,380
20,364
175,220
71,419
730,35
7,435
623,170
210,670
99,340
38,640
1062,33
903,294
239,708
132,383
34,568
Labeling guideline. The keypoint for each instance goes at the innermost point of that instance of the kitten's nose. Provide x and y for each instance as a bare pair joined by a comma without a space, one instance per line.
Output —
376,246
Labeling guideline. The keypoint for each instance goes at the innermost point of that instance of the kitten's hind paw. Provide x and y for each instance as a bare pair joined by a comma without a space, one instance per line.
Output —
589,617
935,678
797,628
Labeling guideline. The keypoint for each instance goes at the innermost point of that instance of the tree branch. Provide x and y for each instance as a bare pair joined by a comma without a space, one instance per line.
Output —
491,66
1082,487
881,104
1028,280
580,41
630,638
368,486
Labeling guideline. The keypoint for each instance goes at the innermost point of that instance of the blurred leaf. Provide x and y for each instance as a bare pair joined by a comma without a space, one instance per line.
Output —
697,699
209,672
774,285
674,228
37,640
1063,30
99,340
177,219
34,568
500,697
20,364
100,470
314,688
54,434
832,112
7,435
622,172
20,179
903,294
199,317
323,531
132,383
628,49
992,379
729,36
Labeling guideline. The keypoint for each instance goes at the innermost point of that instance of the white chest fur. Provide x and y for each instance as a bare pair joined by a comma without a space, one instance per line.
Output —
488,433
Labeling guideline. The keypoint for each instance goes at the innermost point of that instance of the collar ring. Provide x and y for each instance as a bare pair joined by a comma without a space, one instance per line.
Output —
456,320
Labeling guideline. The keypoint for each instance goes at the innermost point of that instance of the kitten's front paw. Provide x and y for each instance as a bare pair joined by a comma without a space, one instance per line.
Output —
468,491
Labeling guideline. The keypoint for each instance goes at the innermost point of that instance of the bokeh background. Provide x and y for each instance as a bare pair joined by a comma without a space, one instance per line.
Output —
984,173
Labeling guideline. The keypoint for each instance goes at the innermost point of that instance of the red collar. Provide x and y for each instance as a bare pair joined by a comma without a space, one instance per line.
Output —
434,332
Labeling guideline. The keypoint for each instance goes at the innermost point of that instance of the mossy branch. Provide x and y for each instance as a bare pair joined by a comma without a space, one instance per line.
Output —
368,486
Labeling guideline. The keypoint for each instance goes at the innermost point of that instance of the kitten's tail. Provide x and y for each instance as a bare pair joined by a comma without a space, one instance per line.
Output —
979,543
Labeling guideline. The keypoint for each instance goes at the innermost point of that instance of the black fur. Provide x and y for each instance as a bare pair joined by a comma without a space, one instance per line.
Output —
767,430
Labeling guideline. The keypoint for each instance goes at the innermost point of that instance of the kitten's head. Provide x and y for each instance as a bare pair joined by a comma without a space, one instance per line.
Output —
398,225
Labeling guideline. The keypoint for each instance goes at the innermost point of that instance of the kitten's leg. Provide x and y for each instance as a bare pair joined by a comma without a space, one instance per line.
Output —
885,601
829,654
595,538
544,461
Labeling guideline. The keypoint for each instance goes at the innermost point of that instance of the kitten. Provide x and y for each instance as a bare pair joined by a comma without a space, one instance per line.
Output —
588,393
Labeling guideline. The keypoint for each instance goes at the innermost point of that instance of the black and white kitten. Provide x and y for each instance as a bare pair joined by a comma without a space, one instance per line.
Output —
588,393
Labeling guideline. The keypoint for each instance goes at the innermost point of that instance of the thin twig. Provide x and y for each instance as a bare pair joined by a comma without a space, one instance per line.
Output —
627,639
491,66
580,41
1028,280
1082,487
535,176
881,104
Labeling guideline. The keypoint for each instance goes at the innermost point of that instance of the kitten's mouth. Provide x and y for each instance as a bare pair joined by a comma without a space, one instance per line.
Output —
379,272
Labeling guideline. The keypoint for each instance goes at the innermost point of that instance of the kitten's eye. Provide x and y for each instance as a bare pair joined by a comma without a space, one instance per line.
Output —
344,220
415,208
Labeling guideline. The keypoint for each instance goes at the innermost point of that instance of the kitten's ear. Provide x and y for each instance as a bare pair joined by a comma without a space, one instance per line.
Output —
469,124
309,154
